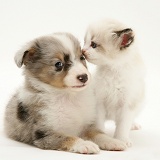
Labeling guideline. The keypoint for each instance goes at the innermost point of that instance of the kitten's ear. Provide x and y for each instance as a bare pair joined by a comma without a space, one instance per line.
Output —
25,55
125,37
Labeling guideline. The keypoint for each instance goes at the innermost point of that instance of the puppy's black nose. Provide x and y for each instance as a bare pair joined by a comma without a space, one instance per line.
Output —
83,78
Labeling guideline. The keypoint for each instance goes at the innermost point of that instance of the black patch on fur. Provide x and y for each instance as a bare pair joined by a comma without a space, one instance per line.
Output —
67,61
39,134
66,58
123,31
22,112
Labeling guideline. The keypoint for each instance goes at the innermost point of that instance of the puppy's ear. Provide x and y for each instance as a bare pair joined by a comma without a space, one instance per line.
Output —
125,37
25,55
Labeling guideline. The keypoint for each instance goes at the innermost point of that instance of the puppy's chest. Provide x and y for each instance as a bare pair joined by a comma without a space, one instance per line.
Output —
65,115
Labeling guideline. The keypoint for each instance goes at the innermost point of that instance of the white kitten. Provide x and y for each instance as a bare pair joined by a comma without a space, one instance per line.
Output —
119,78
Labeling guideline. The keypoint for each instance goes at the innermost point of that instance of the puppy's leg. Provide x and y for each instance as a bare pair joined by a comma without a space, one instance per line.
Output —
48,139
124,121
103,141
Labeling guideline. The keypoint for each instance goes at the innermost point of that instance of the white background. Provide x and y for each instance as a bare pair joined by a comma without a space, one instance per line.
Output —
23,20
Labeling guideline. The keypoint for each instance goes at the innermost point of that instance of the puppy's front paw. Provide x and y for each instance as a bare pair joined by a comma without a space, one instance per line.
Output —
111,144
84,147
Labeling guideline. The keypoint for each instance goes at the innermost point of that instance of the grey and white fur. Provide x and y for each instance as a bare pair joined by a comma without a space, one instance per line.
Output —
119,76
55,108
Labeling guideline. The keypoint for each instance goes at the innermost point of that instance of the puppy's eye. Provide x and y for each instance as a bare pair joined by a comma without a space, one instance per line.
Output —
59,66
93,44
82,58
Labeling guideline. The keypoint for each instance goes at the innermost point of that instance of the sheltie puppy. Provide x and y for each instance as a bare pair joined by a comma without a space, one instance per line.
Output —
55,108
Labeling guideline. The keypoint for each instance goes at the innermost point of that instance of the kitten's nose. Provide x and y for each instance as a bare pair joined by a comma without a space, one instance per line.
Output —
83,51
83,78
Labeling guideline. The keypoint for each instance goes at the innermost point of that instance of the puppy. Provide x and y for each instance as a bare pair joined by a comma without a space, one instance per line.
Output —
55,108
119,77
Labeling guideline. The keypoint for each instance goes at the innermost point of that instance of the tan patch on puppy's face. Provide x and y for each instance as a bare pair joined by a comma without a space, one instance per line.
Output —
49,73
48,77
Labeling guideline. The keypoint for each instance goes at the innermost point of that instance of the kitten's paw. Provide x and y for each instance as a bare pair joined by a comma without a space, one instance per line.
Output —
136,126
127,141
85,147
112,144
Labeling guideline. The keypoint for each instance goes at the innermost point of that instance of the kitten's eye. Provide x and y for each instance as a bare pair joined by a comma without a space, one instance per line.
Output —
82,58
59,66
93,44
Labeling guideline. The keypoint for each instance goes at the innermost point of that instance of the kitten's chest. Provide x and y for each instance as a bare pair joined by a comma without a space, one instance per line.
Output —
114,82
113,91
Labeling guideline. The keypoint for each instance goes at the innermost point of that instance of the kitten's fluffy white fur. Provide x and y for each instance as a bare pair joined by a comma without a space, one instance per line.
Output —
119,77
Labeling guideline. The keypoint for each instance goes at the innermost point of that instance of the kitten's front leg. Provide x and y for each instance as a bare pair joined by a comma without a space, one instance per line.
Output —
124,120
101,116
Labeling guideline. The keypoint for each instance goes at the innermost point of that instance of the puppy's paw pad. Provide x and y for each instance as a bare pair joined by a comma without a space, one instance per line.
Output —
85,147
136,126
